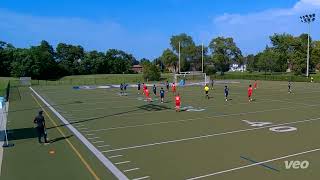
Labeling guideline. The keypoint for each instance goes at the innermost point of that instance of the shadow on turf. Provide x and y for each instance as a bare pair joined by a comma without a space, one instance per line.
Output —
29,133
153,107
37,108
59,139
147,107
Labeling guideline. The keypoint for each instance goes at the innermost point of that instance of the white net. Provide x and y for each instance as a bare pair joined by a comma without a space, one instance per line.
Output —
191,78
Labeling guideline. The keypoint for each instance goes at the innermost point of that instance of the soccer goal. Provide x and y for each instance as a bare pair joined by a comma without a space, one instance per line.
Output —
191,78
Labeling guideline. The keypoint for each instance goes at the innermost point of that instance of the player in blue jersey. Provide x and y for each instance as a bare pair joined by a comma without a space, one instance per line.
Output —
226,92
162,95
154,89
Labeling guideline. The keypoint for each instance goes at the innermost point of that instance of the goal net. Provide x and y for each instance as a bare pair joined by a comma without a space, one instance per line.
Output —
191,78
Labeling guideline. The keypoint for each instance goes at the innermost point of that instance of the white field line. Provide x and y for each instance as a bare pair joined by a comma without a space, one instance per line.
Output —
130,114
200,118
133,169
119,107
255,164
232,95
90,134
140,178
139,113
106,145
115,156
208,135
3,124
77,126
93,138
96,142
105,161
123,162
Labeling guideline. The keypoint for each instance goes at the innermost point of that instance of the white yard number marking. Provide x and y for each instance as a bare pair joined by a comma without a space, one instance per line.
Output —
278,129
192,109
257,124
282,129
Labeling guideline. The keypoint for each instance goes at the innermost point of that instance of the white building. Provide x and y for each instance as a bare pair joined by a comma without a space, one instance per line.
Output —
238,68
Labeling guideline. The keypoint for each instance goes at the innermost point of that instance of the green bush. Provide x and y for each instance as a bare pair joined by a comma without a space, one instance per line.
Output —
266,77
151,72
210,70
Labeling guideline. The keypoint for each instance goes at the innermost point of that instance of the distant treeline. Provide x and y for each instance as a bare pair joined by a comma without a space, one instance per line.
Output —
45,62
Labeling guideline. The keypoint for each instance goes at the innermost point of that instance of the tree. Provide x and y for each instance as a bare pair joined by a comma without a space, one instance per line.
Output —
266,60
69,57
315,55
284,45
158,62
298,55
184,40
224,52
6,57
251,63
151,72
119,61
144,61
94,62
170,59
187,49
37,62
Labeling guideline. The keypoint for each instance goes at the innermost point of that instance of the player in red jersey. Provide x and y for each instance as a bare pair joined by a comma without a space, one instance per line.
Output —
144,86
147,93
178,103
250,93
174,88
255,84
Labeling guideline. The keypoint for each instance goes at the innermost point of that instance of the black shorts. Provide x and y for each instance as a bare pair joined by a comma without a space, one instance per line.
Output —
207,92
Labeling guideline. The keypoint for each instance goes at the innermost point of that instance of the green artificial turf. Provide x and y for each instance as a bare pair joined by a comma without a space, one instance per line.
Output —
163,144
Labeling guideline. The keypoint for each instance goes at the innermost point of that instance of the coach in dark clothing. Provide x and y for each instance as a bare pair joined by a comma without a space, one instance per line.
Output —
41,127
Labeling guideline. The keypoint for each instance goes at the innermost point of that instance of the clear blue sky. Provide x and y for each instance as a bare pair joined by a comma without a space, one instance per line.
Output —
143,27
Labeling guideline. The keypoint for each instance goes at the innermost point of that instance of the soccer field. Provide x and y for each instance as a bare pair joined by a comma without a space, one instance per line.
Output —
211,139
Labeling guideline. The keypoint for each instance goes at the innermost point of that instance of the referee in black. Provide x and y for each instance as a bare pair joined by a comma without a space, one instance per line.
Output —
41,127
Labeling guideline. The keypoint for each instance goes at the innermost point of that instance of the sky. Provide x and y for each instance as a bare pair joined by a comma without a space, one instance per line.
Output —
144,27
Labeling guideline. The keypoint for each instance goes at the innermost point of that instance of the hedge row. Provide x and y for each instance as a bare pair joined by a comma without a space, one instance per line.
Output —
266,77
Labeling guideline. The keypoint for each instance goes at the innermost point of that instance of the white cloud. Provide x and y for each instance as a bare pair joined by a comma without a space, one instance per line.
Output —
304,4
252,30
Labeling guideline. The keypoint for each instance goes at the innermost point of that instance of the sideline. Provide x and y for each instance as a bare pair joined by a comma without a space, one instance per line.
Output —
105,161
3,124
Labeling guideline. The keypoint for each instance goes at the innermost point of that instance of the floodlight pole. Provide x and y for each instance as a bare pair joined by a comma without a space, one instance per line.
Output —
179,57
309,18
202,54
308,53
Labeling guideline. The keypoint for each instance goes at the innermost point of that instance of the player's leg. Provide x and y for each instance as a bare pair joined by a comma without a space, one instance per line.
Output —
177,108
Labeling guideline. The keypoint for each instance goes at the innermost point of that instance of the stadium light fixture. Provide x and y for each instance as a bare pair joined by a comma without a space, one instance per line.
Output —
308,19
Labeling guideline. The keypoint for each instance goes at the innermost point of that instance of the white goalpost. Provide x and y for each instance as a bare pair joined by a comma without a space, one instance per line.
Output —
191,77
